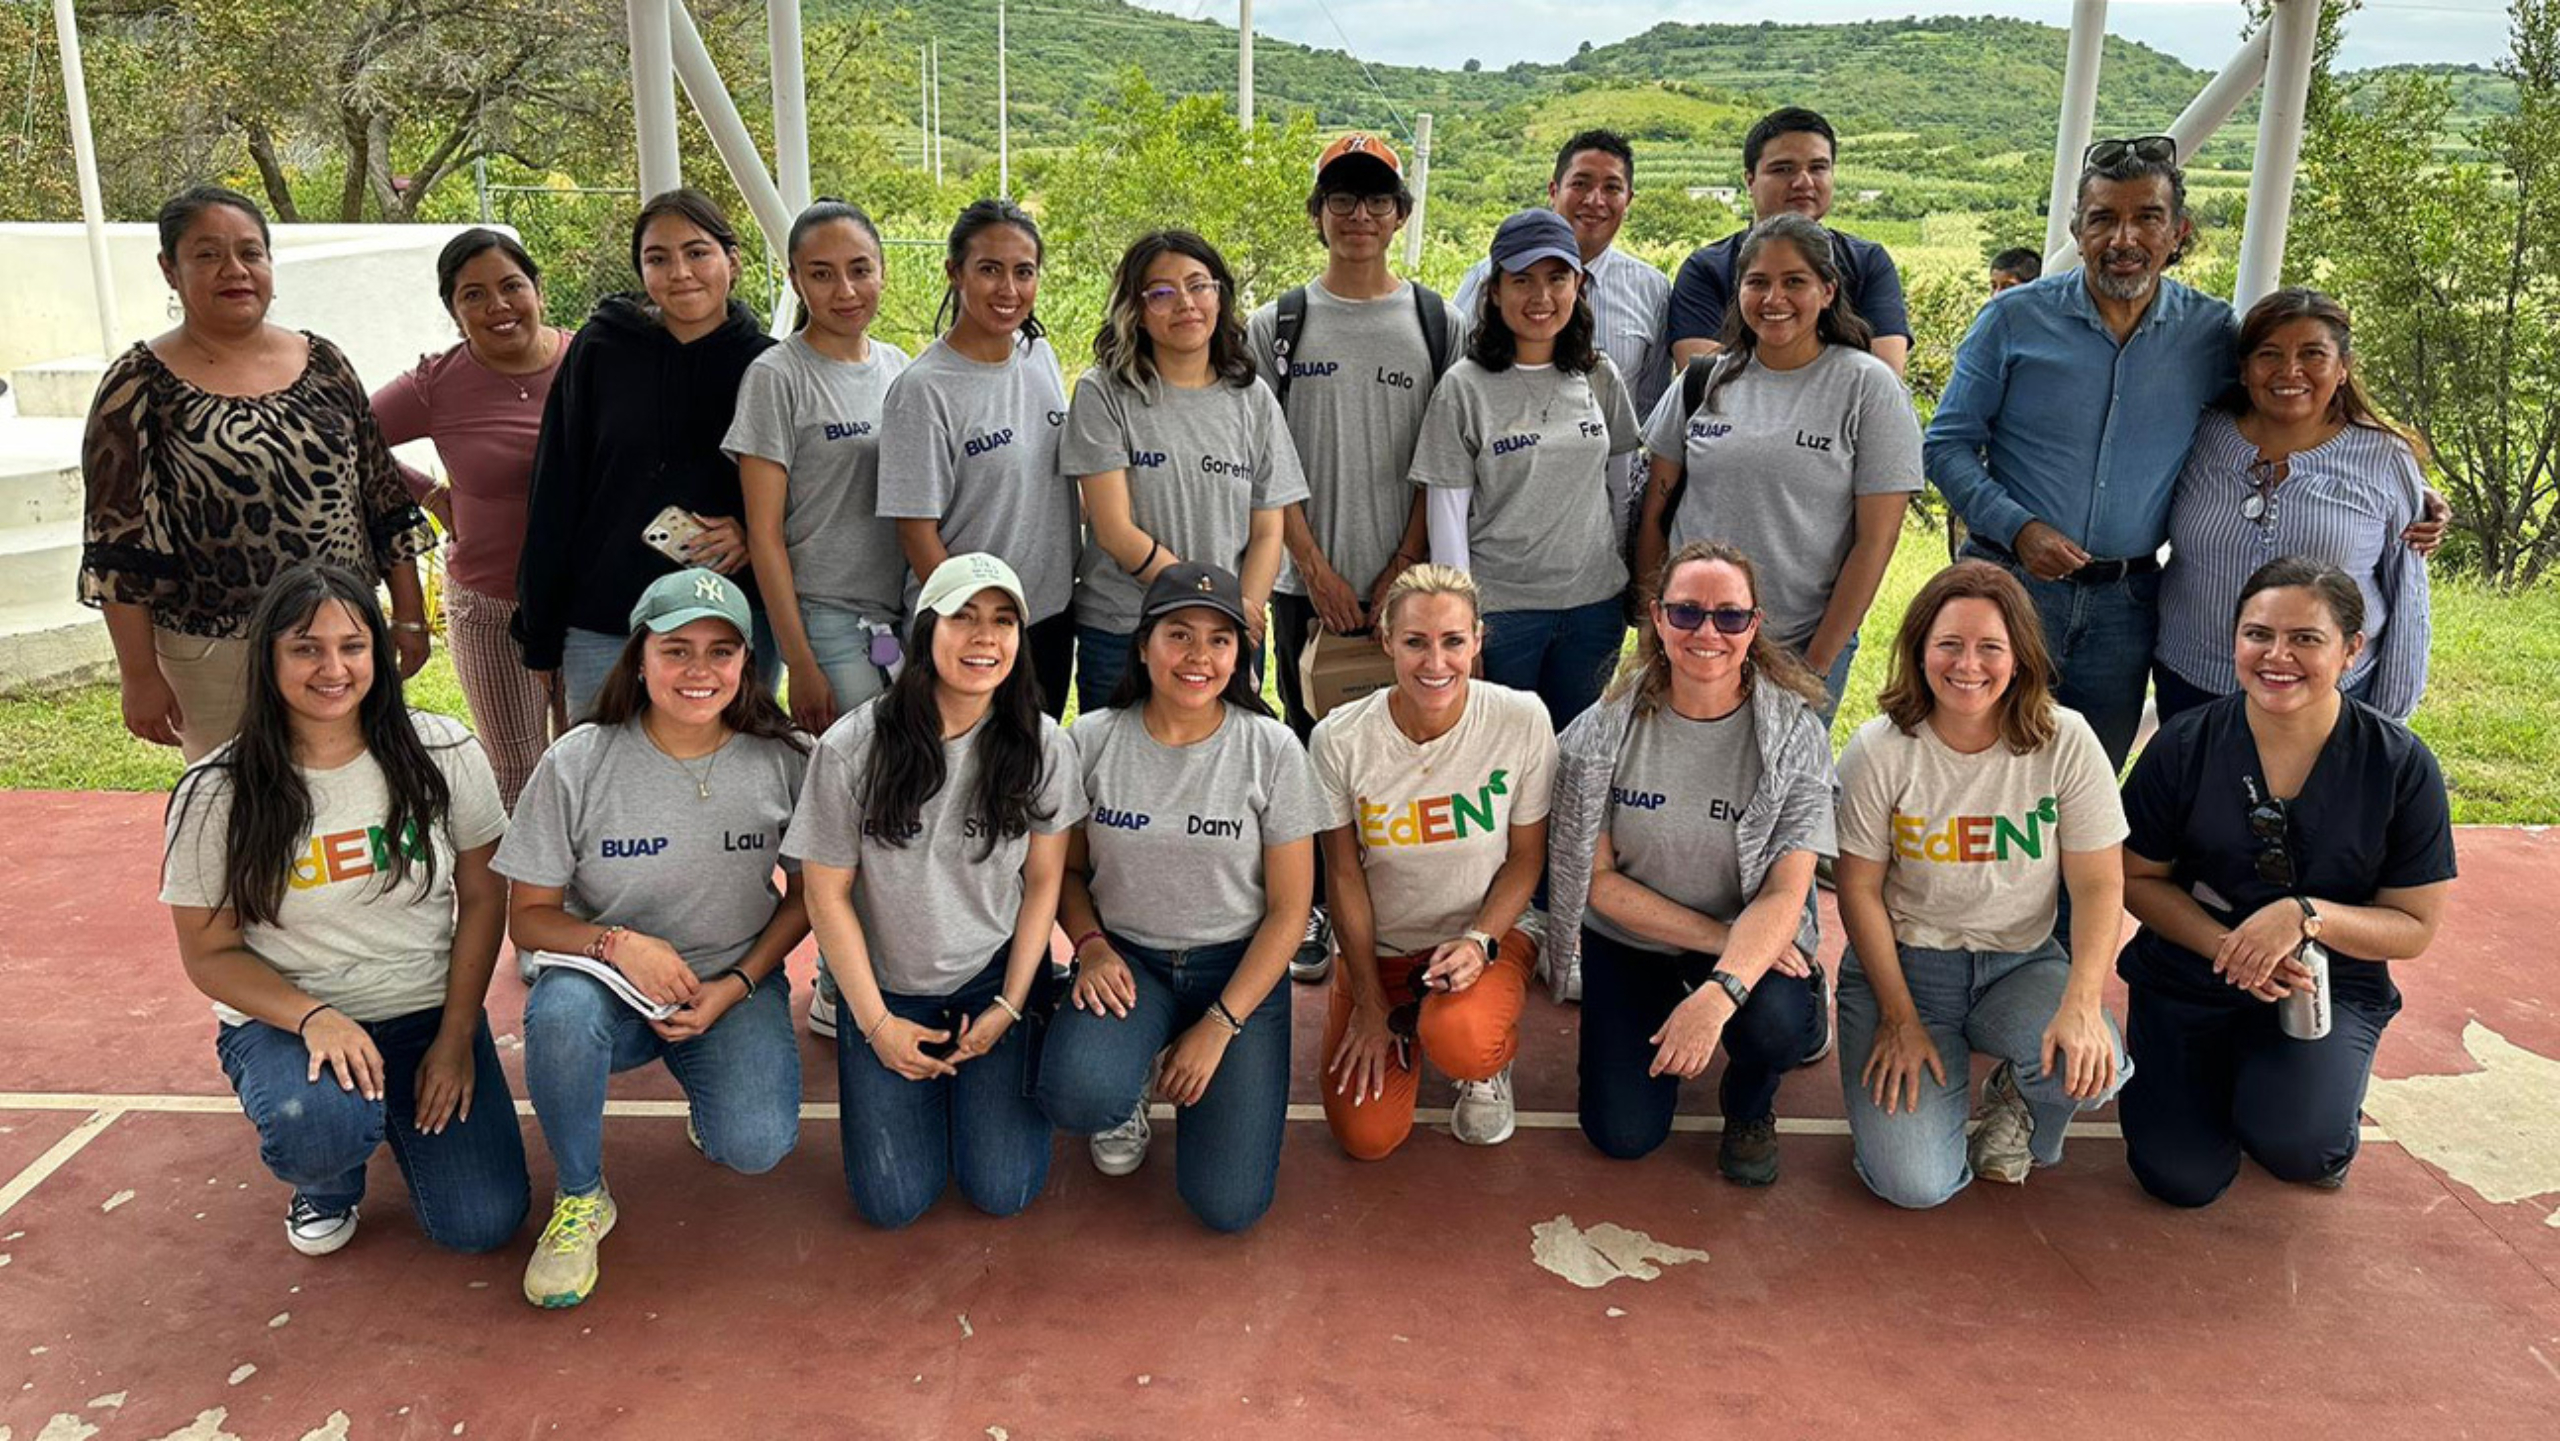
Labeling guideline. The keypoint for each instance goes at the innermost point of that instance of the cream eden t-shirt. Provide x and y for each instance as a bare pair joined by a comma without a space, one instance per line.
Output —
1434,819
1972,844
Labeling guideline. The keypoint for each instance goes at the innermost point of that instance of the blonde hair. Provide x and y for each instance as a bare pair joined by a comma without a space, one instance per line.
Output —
1647,672
1429,579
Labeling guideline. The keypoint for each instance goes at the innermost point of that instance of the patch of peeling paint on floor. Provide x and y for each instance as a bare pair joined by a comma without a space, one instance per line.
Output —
333,1429
2496,1129
1606,1252
206,1427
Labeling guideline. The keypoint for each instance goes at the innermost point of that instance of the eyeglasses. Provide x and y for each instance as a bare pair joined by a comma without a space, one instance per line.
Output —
2149,149
1204,293
1727,619
2269,822
1378,206
2260,503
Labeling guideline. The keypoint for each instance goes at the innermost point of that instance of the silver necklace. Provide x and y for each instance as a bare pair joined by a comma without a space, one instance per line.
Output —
701,778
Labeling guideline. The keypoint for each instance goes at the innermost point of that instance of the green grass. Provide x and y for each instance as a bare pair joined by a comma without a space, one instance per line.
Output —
2491,714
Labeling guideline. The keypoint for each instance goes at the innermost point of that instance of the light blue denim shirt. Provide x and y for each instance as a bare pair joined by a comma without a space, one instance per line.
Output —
2047,418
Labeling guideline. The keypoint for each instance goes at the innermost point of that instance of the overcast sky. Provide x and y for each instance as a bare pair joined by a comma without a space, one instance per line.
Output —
2201,32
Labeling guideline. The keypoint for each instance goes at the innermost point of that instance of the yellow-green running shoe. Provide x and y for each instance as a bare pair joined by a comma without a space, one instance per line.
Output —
563,1268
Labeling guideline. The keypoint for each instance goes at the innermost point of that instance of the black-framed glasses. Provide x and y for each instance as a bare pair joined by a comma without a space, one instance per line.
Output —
2270,825
1727,619
2259,504
2149,149
1342,202
1203,290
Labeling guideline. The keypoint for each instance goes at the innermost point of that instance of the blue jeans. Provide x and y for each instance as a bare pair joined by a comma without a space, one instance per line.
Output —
466,1183
741,1077
905,1140
2101,637
1995,1002
1563,655
1627,993
587,657
843,647
1227,1162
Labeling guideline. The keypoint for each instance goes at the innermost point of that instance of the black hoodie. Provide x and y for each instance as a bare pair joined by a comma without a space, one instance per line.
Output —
634,425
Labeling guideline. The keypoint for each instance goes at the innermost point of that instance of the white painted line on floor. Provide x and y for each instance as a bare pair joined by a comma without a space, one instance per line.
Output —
55,1157
109,1104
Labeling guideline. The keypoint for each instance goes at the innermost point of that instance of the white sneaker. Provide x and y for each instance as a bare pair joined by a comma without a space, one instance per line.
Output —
314,1232
822,1015
1123,1148
1313,960
1484,1115
1998,1150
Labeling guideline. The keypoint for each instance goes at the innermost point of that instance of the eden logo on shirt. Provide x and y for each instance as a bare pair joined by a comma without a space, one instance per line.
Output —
350,856
847,429
1973,840
1432,820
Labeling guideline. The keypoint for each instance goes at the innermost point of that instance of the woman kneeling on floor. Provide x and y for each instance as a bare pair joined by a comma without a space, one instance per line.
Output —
1966,808
1187,890
1693,801
933,830
646,843
347,966
1435,794
2308,842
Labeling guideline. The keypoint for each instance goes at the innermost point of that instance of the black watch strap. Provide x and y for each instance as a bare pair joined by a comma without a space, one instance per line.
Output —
1734,986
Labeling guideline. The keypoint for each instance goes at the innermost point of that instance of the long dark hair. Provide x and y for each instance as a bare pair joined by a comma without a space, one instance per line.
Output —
983,215
1646,673
1122,346
2352,404
270,817
1493,346
691,206
906,770
826,210
1839,323
1136,684
751,712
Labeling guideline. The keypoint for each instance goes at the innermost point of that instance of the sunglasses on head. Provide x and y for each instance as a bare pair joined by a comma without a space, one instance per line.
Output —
1727,619
2149,149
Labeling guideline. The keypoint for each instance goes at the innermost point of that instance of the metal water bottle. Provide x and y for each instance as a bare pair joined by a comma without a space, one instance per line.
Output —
2304,1015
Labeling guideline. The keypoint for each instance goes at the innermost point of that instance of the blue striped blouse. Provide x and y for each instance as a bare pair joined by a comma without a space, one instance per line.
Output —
2343,502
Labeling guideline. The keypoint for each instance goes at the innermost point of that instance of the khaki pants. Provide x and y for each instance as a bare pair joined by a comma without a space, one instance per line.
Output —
211,681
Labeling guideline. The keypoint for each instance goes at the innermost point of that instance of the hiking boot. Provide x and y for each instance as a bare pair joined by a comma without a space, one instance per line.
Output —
563,1268
1484,1115
1123,1148
2335,1180
315,1232
1748,1154
1998,1150
1314,958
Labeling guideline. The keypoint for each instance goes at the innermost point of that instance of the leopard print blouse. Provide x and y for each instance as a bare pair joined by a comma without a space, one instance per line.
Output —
196,500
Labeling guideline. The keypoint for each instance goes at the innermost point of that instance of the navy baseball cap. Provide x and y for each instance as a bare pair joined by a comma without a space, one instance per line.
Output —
1534,235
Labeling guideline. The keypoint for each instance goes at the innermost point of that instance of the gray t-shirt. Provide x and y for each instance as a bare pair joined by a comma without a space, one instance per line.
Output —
1681,786
819,419
1533,443
623,829
1359,384
1176,834
1777,461
935,909
1199,464
975,447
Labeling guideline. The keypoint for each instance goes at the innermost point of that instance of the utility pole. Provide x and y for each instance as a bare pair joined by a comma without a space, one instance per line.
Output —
1004,118
1421,189
1244,66
937,112
924,109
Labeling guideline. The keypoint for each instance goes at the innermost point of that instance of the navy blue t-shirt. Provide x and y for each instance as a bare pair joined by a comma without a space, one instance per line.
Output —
1704,287
2372,815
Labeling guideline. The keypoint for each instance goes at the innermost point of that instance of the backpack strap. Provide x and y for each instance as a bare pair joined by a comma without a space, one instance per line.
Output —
1433,312
1289,321
1693,383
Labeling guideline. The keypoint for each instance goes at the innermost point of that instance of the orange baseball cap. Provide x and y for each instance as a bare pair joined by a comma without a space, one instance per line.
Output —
1364,145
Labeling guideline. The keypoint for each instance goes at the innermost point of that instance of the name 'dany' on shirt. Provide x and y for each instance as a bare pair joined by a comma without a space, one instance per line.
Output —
1680,789
1433,820
819,419
934,909
974,446
343,934
623,829
1533,443
1176,836
1972,845
1198,463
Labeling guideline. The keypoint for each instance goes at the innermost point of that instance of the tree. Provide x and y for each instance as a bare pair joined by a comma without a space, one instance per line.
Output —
2453,274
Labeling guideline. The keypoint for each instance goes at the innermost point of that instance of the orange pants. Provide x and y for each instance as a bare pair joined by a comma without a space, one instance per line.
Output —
1469,1035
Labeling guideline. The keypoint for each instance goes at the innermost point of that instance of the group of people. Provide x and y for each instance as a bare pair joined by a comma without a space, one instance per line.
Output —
767,639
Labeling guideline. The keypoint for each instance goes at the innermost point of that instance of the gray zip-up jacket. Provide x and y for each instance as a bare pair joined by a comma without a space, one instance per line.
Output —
1791,811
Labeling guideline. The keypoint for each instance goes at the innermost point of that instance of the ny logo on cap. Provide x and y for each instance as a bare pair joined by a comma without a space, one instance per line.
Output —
708,588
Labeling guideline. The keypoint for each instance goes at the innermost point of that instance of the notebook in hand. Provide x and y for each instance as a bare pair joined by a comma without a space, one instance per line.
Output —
612,980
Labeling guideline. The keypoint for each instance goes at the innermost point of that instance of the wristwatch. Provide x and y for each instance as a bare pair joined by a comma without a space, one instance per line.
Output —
1733,986
1483,942
2310,918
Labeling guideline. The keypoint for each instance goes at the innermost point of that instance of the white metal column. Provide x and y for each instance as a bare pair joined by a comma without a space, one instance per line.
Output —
2079,114
1244,65
1004,115
728,130
790,102
2296,33
653,94
84,157
2214,104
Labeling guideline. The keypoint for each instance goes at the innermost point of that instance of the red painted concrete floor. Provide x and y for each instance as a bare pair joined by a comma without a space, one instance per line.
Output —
145,1290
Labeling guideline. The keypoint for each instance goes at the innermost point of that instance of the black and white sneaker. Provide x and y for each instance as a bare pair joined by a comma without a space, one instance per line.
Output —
1314,960
1822,1017
315,1232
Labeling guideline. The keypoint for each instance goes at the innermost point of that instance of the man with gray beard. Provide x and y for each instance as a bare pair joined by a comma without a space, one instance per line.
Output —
2070,410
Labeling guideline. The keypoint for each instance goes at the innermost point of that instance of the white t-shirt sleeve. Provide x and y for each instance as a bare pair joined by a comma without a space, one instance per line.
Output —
1866,794
2085,785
